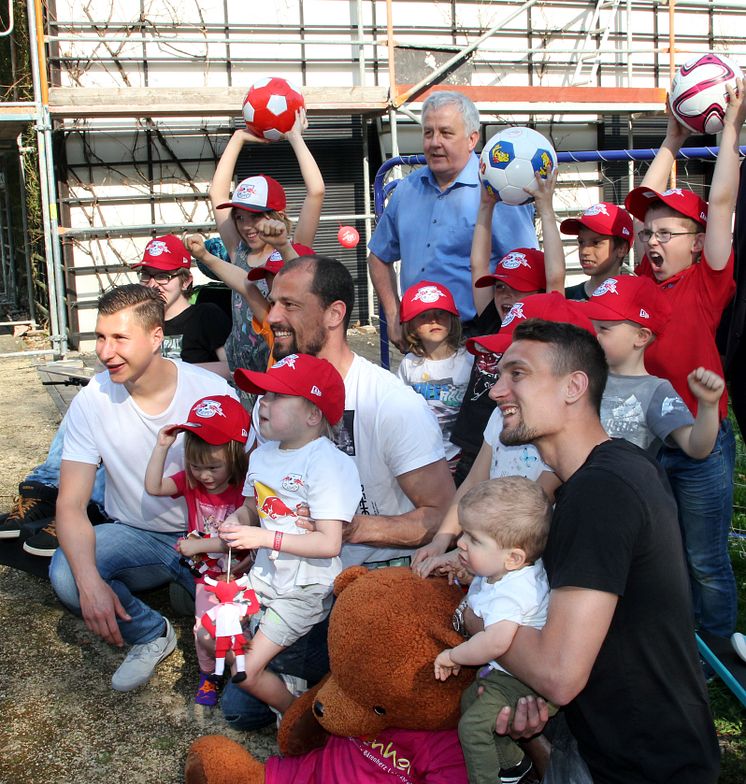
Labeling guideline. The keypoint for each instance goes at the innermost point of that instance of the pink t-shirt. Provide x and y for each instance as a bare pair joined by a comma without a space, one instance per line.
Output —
406,756
206,511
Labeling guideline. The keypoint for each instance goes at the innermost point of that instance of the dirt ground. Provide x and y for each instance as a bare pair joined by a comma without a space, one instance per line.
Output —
61,721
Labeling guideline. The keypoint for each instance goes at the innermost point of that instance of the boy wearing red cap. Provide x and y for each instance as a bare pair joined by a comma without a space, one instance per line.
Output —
604,233
689,254
193,333
298,472
629,314
254,227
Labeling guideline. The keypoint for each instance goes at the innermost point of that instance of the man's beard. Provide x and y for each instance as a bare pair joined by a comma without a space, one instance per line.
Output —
518,436
312,345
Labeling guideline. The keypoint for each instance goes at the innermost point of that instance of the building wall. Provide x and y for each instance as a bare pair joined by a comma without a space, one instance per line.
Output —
123,181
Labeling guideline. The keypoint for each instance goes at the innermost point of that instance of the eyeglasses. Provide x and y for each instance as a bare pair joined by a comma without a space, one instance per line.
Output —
662,235
162,278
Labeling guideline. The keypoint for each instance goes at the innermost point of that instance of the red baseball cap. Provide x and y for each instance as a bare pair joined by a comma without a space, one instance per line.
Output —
548,307
217,420
275,263
684,201
257,194
165,253
603,218
301,375
522,269
425,295
629,298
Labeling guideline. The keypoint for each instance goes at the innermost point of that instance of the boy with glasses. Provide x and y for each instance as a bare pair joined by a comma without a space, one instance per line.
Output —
687,247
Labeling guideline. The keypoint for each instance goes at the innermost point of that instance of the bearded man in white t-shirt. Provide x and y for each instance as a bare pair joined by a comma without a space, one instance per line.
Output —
115,420
388,430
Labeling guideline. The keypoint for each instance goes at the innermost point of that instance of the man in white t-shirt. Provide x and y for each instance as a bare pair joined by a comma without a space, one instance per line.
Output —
387,428
115,420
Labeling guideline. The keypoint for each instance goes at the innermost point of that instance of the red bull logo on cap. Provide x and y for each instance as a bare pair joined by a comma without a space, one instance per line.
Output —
514,260
288,361
156,247
428,294
607,287
245,190
516,312
208,409
596,209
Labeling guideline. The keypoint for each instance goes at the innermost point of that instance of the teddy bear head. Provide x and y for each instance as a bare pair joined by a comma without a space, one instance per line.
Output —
386,629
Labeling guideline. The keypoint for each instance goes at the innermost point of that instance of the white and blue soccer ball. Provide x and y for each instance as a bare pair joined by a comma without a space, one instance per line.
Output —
509,161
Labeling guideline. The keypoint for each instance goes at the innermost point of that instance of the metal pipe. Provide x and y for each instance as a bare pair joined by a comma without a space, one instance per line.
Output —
11,21
49,238
431,78
672,64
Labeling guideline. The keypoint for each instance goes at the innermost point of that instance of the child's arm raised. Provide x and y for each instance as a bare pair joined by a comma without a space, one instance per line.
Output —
220,188
554,256
698,440
479,649
481,250
324,542
155,482
724,187
310,213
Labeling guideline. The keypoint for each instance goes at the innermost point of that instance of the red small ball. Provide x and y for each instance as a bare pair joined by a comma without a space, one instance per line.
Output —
348,236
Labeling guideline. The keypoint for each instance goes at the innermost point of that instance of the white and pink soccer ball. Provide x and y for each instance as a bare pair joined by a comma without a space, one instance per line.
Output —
270,106
698,95
509,161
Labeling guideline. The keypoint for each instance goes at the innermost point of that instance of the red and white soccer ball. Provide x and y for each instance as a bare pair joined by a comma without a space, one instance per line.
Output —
698,94
270,106
509,161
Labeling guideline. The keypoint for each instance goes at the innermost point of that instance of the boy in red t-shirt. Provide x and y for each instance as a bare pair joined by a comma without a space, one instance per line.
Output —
688,251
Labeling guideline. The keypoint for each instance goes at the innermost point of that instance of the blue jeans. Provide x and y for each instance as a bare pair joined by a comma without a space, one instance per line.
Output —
48,473
306,658
704,494
128,559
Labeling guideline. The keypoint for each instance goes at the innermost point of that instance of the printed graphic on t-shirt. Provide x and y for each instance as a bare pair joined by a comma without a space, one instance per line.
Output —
171,346
210,516
627,418
444,398
486,372
344,438
269,505
345,434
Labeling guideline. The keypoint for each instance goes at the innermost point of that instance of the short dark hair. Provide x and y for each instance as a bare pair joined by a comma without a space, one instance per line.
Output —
574,349
331,281
199,451
146,301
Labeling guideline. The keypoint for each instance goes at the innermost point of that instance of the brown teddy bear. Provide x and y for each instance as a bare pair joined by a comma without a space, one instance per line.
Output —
380,715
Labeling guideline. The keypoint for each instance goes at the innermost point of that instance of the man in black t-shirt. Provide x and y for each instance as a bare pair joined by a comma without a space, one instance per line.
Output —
618,647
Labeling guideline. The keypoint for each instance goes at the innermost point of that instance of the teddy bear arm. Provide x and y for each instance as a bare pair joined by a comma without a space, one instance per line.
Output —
300,731
215,759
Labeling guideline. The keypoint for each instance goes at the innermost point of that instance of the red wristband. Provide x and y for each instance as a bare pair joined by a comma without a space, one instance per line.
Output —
277,545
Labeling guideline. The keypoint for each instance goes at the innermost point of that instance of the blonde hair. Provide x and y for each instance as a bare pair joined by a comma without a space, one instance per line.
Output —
198,451
513,510
414,344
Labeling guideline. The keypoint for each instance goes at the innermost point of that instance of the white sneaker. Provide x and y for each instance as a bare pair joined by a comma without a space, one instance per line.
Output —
142,659
738,641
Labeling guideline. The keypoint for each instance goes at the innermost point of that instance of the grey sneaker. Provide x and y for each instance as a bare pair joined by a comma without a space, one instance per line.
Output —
142,659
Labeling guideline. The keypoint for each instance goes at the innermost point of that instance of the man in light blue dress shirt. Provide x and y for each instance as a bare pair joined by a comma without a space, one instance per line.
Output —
429,220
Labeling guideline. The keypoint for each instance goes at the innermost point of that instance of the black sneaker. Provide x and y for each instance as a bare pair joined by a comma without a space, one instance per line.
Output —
517,772
35,502
43,543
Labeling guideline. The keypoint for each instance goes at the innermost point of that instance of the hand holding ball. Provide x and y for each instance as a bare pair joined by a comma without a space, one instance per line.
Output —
270,108
510,161
698,95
